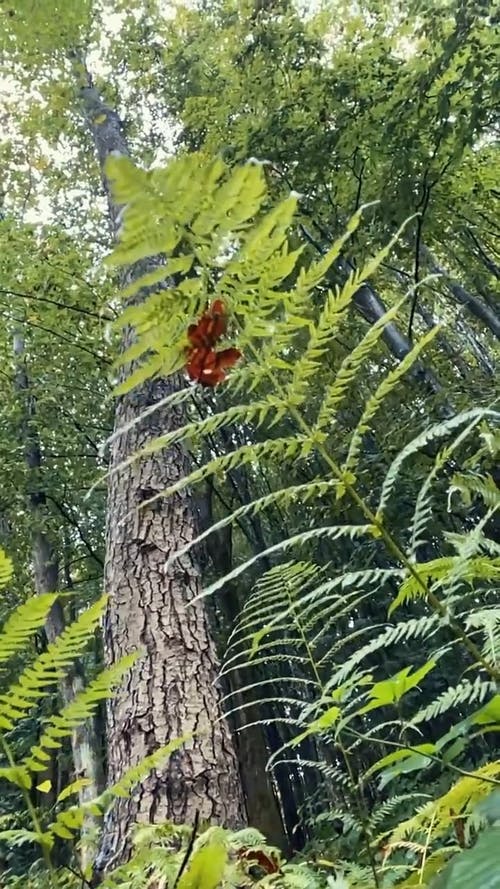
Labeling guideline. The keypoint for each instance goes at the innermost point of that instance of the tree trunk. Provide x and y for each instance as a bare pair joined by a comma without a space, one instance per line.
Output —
85,748
173,690
475,306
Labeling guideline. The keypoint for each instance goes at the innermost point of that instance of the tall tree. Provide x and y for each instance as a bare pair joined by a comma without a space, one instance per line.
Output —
173,692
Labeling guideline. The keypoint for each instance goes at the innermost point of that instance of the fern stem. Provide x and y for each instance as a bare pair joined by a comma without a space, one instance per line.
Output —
391,544
364,815
385,742
305,642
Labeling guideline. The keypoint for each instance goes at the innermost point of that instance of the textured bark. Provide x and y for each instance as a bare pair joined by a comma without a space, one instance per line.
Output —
173,690
84,742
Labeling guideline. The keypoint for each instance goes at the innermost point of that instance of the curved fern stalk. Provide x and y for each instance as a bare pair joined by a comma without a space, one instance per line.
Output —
261,683
332,532
287,703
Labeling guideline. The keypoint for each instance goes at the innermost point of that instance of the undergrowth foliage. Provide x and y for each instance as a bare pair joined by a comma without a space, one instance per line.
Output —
38,678
297,623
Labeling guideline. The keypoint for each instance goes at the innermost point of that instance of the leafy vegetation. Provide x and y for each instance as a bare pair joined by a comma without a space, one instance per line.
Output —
331,205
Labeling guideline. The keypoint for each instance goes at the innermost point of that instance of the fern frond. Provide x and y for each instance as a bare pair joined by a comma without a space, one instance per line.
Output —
437,816
470,418
373,404
354,362
50,667
443,571
82,707
466,692
23,622
336,304
200,429
286,448
69,821
414,628
6,569
139,772
279,498
473,485
332,532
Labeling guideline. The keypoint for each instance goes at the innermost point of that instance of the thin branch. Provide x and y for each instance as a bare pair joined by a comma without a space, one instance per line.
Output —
189,849
58,304
74,524
59,336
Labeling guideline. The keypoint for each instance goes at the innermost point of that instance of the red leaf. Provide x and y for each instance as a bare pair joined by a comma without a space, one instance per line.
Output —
206,366
211,326
268,864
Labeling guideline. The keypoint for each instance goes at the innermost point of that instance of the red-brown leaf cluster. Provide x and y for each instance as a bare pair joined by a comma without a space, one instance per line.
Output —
204,364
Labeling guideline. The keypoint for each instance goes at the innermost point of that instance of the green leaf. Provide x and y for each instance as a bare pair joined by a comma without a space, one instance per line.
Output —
206,868
475,868
390,691
400,756
490,713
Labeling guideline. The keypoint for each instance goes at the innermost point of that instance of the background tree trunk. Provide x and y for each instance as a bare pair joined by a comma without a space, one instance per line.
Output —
84,741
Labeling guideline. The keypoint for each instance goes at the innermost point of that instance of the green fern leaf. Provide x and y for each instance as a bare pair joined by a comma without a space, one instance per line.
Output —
50,667
82,707
6,569
23,623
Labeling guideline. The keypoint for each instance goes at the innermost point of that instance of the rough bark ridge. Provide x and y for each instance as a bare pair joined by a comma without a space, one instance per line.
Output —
172,691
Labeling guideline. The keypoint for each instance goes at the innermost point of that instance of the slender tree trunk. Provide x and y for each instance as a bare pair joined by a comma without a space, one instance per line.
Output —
85,748
475,306
173,690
